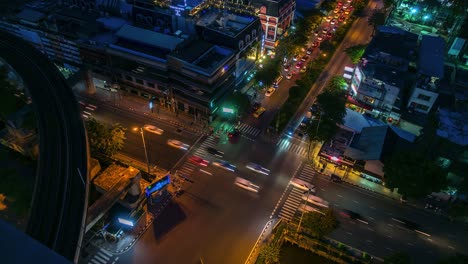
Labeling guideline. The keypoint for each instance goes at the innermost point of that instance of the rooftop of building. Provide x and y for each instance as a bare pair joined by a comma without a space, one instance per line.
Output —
392,46
369,144
148,37
112,175
431,56
386,74
357,121
204,57
453,126
224,22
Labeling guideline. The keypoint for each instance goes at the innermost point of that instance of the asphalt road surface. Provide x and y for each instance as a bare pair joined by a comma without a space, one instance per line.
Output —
214,219
159,153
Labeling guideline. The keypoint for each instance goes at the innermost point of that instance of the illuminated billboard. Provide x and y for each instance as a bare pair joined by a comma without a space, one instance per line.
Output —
157,185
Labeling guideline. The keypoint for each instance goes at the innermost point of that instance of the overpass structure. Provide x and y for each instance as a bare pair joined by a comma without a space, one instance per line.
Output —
58,213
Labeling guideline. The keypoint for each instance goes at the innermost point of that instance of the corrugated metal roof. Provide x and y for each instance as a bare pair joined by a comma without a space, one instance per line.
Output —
148,37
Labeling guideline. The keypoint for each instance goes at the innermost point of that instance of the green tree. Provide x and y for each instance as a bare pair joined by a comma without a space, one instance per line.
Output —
320,224
388,3
458,210
103,138
238,101
327,5
414,174
398,258
269,253
455,259
355,52
332,104
377,19
359,6
269,72
9,103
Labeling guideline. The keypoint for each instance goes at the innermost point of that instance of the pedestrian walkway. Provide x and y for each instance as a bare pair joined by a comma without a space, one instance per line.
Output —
294,199
285,144
247,129
290,206
187,169
101,257
209,142
137,104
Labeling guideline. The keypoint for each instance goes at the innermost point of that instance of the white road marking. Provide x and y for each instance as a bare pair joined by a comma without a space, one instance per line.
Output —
355,201
336,205
389,236
362,221
409,244
422,233
369,241
370,229
207,172
370,218
341,196
390,225
451,247
387,248
372,207
322,189
349,233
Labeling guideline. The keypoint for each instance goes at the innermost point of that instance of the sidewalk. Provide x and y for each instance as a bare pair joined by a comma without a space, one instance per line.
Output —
139,105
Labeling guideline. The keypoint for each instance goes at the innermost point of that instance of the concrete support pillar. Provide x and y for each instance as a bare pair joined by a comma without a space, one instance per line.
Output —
88,78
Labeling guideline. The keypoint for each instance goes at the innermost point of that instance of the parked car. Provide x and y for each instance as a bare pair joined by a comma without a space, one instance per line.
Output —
270,91
259,112
335,178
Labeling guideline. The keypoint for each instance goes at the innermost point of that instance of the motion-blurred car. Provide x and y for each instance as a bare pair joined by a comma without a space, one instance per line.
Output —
257,168
315,200
350,214
269,91
199,161
224,165
177,144
246,184
289,76
303,185
259,112
215,152
405,223
234,133
153,129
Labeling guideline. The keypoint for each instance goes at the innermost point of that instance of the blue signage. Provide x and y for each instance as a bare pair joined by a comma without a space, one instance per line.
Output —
157,185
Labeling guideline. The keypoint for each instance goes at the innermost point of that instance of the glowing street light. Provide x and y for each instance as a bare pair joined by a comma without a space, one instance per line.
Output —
144,146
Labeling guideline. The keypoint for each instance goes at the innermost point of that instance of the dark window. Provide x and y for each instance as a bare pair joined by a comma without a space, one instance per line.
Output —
424,97
422,107
134,91
139,81
150,84
128,78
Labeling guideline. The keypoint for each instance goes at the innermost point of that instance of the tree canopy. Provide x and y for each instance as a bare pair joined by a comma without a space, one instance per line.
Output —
377,18
103,138
269,253
414,174
455,259
320,224
398,258
355,52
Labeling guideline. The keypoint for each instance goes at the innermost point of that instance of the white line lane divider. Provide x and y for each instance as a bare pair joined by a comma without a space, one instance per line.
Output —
362,221
422,233
207,172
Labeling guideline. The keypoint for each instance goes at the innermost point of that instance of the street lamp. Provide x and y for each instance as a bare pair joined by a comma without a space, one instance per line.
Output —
144,146
302,215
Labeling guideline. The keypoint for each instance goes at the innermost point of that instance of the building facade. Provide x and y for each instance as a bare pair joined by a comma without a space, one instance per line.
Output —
276,17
